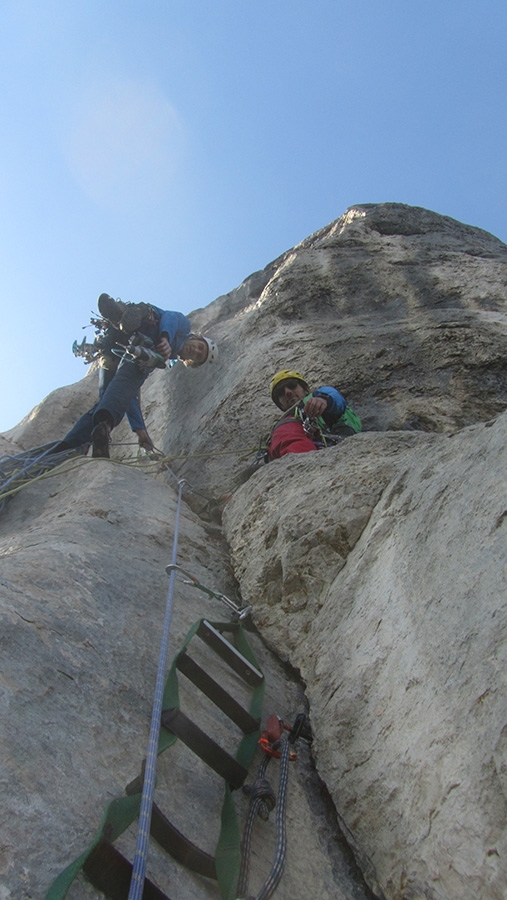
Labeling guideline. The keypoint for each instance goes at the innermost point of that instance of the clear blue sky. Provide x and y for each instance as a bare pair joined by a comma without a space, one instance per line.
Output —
162,150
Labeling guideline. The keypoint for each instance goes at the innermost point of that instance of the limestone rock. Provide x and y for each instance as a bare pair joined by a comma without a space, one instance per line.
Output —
376,569
402,309
381,573
83,589
56,414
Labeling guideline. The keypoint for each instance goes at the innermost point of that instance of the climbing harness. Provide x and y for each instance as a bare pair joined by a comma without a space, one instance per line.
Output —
311,428
316,429
321,438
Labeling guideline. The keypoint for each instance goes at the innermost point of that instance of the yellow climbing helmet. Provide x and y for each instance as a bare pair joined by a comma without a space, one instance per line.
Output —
284,375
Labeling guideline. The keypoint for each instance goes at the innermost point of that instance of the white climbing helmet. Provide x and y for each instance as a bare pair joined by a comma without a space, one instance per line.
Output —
212,349
212,354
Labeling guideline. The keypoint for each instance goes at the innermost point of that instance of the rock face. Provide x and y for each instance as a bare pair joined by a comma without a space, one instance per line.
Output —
375,569
83,589
386,586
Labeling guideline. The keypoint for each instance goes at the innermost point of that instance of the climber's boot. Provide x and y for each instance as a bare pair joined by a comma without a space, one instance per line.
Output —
100,441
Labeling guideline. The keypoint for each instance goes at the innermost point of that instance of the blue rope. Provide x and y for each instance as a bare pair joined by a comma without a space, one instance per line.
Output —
143,834
30,461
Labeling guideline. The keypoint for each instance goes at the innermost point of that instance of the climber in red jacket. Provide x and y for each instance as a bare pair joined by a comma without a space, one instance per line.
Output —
312,420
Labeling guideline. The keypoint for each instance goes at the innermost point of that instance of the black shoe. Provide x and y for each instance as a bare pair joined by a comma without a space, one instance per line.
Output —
111,309
100,441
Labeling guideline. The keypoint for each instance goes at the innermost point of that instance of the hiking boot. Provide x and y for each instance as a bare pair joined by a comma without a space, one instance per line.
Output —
100,441
111,309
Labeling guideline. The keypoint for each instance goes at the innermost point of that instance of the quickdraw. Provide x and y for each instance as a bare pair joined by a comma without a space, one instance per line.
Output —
238,612
269,740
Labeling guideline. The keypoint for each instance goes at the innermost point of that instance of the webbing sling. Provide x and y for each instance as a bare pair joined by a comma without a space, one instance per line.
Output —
108,870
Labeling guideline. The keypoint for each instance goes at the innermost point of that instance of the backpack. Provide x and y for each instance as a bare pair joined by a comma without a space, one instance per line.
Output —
351,419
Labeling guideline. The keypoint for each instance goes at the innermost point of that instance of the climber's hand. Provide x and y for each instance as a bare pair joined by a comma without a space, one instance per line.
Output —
164,348
315,406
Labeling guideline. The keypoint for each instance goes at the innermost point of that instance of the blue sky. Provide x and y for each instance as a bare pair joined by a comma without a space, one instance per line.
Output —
164,150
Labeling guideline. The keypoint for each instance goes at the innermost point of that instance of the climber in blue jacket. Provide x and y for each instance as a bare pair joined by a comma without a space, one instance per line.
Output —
168,336
171,336
102,352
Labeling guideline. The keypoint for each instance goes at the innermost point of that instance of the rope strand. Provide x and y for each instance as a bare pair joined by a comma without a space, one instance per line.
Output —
141,854
273,879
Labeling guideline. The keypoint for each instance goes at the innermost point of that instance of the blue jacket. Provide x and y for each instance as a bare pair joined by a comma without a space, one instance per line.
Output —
174,324
336,404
